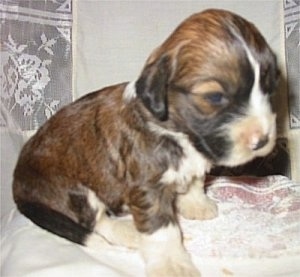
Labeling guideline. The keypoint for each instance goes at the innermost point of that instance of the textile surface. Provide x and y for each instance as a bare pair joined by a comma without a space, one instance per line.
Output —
257,230
292,44
292,53
258,217
36,59
255,234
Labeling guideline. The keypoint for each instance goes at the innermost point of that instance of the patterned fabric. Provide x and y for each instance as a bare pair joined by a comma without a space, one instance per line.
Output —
292,44
255,234
36,59
258,218
292,55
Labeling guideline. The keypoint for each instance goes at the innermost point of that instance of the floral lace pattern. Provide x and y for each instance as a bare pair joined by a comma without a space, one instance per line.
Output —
36,57
258,217
292,43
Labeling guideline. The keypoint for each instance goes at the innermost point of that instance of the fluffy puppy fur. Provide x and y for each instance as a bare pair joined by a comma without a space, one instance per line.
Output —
202,99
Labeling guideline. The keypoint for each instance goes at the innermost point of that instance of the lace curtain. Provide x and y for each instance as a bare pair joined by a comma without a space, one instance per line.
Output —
292,45
36,60
292,55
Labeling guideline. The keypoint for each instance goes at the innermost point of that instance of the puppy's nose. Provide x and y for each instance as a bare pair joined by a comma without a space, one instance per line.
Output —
261,143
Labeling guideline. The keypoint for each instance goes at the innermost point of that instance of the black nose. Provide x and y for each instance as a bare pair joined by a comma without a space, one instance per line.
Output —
262,142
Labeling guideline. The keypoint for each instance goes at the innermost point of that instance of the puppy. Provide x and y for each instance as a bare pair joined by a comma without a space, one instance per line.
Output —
202,99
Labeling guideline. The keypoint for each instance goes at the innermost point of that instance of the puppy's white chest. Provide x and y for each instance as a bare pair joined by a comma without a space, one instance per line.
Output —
193,165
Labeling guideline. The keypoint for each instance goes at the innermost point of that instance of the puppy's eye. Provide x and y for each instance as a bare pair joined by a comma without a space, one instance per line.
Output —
216,98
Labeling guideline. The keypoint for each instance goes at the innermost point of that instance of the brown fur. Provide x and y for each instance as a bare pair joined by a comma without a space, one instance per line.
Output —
68,151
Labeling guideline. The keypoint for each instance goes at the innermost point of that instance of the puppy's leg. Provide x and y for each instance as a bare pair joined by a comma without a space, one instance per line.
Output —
118,231
115,230
195,204
161,239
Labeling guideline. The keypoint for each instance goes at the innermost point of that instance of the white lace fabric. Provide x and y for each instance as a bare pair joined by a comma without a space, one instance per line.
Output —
258,218
36,59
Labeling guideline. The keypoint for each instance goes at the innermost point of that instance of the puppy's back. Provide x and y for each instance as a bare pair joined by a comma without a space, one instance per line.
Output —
58,164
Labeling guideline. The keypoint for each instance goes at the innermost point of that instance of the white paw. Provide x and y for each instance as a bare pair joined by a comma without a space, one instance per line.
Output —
119,232
128,235
171,268
201,209
164,254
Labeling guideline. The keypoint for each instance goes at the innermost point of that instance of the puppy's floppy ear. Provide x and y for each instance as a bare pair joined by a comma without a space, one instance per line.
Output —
152,87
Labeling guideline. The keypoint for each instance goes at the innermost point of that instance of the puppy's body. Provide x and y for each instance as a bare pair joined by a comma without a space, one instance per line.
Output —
99,142
144,147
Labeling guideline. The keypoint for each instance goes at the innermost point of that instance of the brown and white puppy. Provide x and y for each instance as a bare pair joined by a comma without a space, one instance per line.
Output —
202,99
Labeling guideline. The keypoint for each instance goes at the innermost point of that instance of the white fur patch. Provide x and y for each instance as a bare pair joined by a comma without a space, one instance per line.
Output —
165,255
259,104
161,241
94,201
114,231
129,92
94,240
192,165
258,123
195,204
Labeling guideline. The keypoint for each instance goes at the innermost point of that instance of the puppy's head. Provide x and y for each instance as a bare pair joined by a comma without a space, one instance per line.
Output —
212,79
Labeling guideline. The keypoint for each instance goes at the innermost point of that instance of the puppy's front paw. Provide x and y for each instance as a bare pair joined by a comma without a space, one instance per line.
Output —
165,255
119,232
170,268
126,234
198,208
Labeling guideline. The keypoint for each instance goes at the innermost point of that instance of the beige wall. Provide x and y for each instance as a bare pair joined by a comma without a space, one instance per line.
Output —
115,37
